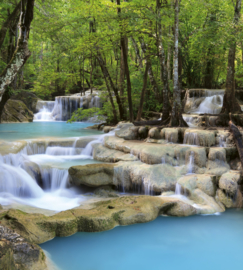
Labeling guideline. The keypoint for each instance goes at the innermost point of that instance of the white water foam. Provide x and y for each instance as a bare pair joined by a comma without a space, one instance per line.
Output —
37,176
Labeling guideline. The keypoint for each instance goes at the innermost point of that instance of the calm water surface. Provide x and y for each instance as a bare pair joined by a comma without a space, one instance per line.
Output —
22,131
169,243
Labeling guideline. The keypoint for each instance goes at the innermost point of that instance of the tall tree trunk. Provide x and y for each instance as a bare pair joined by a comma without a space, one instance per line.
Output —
124,52
111,98
8,22
163,69
230,104
145,79
129,86
122,65
169,58
110,82
136,49
150,72
176,115
22,52
208,78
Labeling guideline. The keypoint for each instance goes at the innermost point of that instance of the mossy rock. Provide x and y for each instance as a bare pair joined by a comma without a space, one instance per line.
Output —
16,111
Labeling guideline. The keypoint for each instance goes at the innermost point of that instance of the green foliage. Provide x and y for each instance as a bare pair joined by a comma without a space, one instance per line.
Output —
64,49
81,114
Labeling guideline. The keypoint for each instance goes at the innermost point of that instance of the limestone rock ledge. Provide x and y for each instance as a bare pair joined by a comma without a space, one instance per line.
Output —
17,253
103,215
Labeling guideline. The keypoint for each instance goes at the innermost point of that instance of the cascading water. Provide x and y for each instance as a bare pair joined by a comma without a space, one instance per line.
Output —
43,115
38,175
178,189
190,167
203,101
62,108
191,138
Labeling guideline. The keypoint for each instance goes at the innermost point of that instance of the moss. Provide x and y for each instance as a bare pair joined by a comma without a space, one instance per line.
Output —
117,217
7,260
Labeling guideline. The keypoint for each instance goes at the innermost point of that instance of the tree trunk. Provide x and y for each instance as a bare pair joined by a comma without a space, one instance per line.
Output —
230,104
122,64
22,52
163,69
208,78
110,82
238,141
8,22
150,72
129,86
111,99
145,79
169,59
136,49
176,115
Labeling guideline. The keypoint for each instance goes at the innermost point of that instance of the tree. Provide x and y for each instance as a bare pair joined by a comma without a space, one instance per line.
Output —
21,53
176,114
230,104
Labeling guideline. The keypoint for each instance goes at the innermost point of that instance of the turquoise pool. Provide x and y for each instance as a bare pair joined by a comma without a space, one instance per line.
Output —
192,243
34,130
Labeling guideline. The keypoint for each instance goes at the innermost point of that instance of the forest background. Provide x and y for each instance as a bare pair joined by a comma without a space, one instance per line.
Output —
115,45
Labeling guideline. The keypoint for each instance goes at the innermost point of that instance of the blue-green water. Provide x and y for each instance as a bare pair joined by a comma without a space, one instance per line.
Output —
170,243
22,131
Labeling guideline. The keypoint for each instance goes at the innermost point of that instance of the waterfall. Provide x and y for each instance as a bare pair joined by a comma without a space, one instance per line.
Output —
201,101
148,189
54,178
17,182
62,108
178,189
62,151
88,150
190,167
81,102
191,138
38,175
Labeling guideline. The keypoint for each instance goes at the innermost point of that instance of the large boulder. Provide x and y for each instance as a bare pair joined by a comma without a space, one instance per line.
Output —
128,132
229,201
216,163
170,134
28,98
128,175
93,175
206,183
16,111
154,133
228,182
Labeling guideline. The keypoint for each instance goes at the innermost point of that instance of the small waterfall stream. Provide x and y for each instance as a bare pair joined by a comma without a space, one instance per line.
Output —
62,108
38,175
